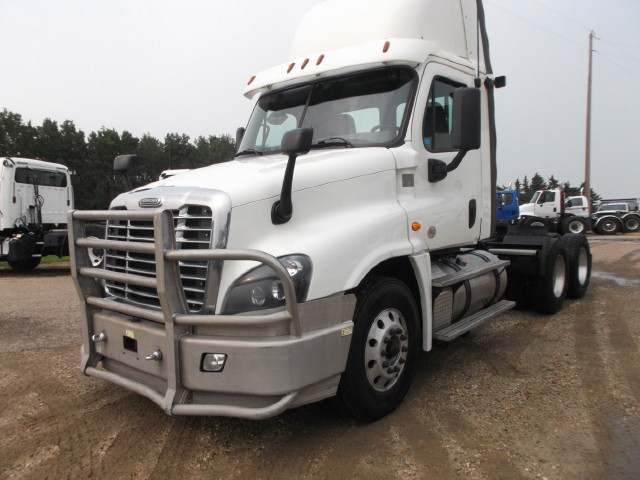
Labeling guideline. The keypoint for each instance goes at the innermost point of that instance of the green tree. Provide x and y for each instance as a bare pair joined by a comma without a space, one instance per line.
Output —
553,183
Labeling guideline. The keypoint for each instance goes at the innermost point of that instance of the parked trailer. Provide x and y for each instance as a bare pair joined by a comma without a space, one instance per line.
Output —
355,227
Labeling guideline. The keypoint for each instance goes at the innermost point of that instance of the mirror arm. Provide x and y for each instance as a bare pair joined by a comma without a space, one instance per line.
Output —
282,209
437,169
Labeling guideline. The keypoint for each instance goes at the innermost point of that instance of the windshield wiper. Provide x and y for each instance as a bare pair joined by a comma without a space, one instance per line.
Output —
250,151
332,141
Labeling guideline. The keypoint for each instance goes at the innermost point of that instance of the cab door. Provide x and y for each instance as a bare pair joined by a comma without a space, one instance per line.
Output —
449,211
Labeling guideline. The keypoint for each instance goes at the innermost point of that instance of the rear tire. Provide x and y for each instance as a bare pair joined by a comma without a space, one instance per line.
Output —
632,224
579,259
25,265
608,226
549,289
383,349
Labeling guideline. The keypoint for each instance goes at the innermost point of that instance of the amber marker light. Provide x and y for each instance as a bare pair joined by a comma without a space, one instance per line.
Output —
304,64
251,80
320,59
385,49
291,67
415,226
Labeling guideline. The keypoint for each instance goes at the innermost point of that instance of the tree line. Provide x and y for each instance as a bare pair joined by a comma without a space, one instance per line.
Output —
527,188
90,157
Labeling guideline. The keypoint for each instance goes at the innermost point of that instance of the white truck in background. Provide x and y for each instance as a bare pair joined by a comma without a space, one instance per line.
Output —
549,208
354,228
35,197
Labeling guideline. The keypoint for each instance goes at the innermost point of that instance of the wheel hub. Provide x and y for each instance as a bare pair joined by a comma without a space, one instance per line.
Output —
386,349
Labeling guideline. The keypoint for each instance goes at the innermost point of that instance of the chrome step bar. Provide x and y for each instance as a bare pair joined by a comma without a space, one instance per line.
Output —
463,326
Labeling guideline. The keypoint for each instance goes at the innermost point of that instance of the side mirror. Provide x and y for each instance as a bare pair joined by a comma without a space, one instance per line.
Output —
239,136
125,164
465,131
297,141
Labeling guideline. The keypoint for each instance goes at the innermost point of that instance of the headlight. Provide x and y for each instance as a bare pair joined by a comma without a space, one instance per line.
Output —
260,288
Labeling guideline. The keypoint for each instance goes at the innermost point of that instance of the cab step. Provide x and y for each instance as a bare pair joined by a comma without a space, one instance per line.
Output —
463,326
466,274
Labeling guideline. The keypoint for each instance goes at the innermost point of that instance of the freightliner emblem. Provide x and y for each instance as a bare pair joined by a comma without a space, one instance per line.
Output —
150,202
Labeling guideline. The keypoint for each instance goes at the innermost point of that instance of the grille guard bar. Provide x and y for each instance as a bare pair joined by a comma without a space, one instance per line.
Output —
174,314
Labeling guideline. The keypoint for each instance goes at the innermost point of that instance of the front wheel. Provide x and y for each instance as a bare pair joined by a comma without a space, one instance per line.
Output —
25,265
383,349
573,225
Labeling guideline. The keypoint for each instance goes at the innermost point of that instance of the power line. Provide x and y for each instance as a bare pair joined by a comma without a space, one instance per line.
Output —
569,19
581,45
620,66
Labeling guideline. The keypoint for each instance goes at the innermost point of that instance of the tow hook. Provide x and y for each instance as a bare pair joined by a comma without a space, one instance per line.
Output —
155,356
101,337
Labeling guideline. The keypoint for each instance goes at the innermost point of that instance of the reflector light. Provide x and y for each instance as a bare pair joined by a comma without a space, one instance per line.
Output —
385,49
304,64
251,80
291,67
320,58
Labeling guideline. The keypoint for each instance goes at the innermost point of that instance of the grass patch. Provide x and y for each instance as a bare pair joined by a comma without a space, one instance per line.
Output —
47,259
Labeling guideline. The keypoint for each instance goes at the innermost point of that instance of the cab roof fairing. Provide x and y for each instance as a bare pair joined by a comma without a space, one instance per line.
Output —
401,51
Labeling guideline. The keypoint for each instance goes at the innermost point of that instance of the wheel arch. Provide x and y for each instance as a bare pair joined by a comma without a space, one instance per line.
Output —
415,272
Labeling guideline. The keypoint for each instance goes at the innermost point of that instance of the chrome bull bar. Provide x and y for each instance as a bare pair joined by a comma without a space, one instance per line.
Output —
174,314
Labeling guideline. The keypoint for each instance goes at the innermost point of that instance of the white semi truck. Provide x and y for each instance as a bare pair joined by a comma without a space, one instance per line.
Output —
35,197
354,228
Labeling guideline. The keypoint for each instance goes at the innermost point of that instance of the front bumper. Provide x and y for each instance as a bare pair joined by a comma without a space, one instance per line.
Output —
275,359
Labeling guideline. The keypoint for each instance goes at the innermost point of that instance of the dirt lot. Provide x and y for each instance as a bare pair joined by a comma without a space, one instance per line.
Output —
525,396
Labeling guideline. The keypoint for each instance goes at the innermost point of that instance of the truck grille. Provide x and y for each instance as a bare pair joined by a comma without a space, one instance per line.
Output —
193,227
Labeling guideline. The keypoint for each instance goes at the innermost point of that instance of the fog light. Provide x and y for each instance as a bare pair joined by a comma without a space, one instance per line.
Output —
213,362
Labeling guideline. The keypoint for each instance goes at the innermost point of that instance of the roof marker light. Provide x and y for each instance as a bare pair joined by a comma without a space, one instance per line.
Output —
320,59
251,80
386,46
304,64
291,67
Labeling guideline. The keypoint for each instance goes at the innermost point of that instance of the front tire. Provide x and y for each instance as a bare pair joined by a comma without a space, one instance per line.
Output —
573,225
25,265
383,349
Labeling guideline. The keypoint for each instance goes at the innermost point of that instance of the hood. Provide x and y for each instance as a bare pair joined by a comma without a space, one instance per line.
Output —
527,209
251,179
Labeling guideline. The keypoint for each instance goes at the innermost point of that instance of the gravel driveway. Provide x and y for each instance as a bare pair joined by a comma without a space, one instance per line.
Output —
523,397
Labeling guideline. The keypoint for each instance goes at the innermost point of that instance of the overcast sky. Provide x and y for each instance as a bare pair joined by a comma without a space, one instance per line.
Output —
163,66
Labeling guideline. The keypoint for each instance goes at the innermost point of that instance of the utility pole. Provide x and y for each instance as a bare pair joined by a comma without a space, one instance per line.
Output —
587,153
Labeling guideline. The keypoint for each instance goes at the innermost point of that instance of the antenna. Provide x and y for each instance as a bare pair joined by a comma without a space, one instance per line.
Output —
477,80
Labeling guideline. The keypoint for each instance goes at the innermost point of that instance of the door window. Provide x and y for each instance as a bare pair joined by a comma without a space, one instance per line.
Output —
436,127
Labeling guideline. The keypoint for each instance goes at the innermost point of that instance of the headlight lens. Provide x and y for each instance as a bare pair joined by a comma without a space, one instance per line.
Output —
260,288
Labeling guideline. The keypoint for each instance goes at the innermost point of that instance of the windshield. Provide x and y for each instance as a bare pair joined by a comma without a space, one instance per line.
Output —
358,110
534,199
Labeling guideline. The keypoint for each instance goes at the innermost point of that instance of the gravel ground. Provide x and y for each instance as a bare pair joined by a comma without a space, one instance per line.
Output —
523,397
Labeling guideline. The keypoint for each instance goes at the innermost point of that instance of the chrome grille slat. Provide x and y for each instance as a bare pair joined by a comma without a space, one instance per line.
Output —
194,230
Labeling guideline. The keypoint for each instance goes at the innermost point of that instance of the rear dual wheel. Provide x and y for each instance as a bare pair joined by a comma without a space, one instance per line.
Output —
383,349
549,287
579,264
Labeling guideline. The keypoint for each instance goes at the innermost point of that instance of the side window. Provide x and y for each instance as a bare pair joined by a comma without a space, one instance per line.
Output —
436,127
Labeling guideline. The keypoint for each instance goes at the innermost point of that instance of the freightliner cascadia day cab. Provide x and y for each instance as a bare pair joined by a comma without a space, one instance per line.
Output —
354,228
